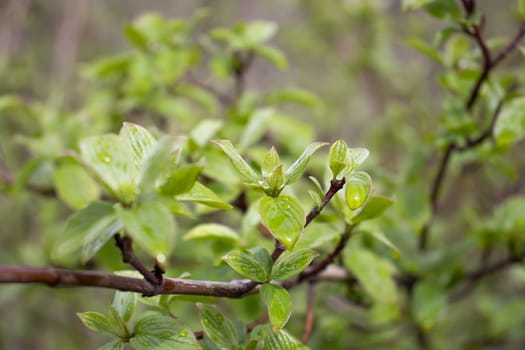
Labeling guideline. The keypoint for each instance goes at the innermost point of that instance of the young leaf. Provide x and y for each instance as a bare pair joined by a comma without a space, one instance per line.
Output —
247,265
202,194
279,304
263,257
338,157
74,186
157,331
274,183
139,141
270,162
357,189
255,128
112,161
97,322
117,344
156,162
258,32
104,229
357,156
118,324
92,218
375,274
285,218
212,231
124,303
205,130
244,169
373,208
428,304
272,55
297,168
181,180
280,340
290,264
151,225
218,328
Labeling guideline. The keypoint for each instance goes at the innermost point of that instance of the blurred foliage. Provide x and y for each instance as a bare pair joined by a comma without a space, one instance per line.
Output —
393,76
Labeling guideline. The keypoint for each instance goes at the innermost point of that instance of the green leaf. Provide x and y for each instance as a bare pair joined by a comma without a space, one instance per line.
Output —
246,172
358,187
113,345
357,156
429,303
444,9
112,161
74,186
414,4
139,140
205,130
285,218
124,303
270,162
280,340
212,231
297,168
93,218
290,264
160,332
247,265
426,49
151,225
279,304
338,157
274,183
272,55
95,238
257,32
264,258
202,194
218,328
97,322
255,128
157,161
383,239
118,324
373,208
135,37
303,97
181,180
510,126
374,273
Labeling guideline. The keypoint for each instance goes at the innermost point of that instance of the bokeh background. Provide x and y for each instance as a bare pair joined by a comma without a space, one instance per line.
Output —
376,89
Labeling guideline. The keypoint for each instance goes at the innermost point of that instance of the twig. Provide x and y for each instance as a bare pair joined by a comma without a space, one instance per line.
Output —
242,61
309,321
125,244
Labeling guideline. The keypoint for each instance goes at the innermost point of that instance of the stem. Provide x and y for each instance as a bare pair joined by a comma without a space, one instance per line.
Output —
309,321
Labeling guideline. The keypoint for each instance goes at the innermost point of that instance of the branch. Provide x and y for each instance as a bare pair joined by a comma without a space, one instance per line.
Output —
309,321
128,256
56,277
489,64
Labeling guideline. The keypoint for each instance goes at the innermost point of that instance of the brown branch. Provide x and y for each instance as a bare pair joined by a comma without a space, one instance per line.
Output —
56,277
309,321
125,244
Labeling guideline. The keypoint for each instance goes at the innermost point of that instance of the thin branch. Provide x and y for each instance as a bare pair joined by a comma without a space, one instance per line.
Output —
335,186
486,270
309,321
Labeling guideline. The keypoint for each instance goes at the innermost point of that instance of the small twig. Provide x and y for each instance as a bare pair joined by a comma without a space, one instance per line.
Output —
335,186
125,244
309,321
243,60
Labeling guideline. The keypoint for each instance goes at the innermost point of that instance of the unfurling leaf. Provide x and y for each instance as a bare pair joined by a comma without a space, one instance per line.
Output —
285,218
357,189
373,208
337,157
297,168
244,169
279,304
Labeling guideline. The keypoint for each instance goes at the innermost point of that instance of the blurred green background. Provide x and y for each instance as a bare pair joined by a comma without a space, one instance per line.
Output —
377,92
